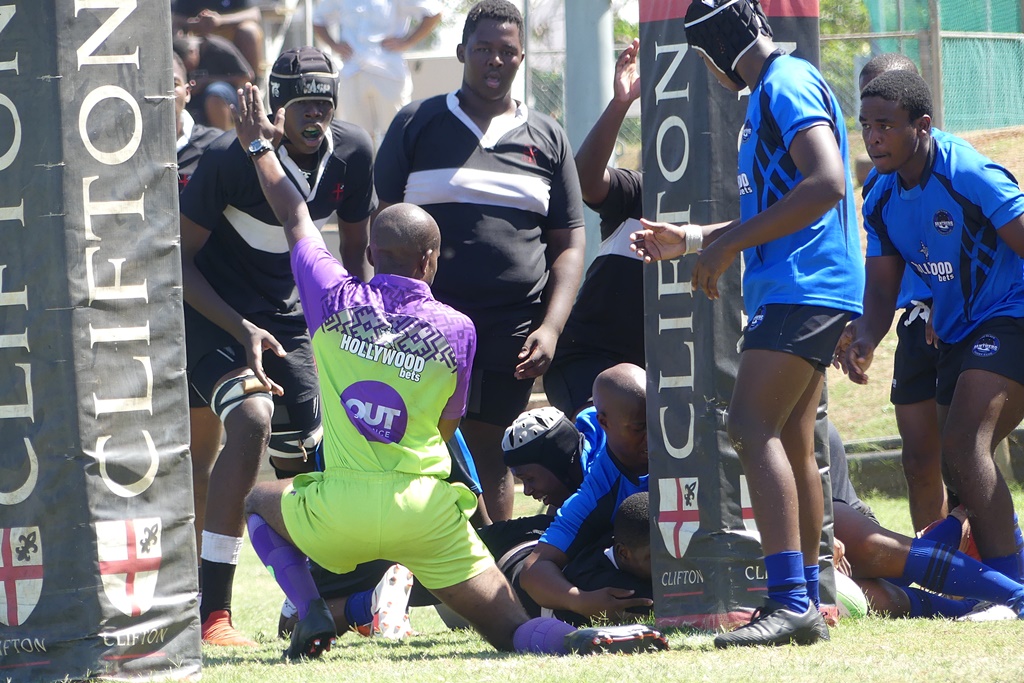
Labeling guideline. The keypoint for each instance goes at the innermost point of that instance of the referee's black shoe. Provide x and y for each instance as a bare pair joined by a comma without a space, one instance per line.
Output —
774,624
314,633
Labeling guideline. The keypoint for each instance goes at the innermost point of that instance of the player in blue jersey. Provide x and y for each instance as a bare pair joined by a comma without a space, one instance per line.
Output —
956,219
499,179
914,365
802,283
620,406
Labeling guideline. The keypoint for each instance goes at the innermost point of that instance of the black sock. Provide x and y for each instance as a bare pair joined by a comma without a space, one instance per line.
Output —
216,579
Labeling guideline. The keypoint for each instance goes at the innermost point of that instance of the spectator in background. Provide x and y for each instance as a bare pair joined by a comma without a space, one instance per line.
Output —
500,182
216,70
239,21
193,138
370,37
606,326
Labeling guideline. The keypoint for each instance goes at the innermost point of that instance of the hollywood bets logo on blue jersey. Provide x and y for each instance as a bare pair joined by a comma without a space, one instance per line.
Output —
940,270
744,184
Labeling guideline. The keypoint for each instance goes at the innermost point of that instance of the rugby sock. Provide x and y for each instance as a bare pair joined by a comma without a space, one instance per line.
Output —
944,570
217,572
1008,565
925,604
811,577
359,608
786,584
1019,539
543,635
284,562
946,532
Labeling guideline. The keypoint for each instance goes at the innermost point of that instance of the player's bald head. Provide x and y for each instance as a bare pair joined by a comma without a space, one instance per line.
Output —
401,237
622,385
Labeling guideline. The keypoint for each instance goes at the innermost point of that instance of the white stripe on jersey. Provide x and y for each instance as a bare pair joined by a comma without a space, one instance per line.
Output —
471,186
260,235
618,242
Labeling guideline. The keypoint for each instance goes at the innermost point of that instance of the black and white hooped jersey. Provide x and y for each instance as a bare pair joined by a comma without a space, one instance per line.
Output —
494,195
246,256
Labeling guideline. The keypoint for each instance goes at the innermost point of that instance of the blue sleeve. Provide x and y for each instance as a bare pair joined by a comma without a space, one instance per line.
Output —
799,99
878,243
987,185
588,513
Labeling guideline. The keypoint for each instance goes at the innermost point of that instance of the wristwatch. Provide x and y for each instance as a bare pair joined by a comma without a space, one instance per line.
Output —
258,147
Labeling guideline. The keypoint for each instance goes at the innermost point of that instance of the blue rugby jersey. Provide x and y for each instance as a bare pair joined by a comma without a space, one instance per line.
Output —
588,514
820,264
946,230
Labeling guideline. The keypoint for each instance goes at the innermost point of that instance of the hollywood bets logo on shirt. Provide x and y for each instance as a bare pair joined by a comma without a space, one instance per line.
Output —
376,410
744,184
941,270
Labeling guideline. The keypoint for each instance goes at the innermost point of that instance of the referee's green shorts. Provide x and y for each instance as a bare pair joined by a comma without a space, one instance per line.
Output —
342,518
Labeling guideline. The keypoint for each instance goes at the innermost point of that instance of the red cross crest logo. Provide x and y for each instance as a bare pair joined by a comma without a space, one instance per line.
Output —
21,573
678,515
129,554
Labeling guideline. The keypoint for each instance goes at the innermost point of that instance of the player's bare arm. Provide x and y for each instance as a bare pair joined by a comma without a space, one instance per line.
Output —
659,241
543,579
596,150
565,254
201,296
882,285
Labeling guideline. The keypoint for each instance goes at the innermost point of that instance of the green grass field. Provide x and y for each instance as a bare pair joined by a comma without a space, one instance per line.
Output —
866,650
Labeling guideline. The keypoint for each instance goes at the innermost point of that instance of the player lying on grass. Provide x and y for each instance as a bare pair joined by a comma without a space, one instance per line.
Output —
394,369
873,553
621,469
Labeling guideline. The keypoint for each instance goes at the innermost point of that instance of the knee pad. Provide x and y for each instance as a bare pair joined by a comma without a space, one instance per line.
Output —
296,434
229,394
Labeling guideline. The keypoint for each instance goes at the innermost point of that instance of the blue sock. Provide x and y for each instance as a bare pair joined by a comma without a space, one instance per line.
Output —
543,635
285,562
1019,539
924,604
786,583
944,570
359,608
811,577
1008,565
946,532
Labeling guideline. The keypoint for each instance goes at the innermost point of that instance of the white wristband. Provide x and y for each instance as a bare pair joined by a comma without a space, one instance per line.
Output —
694,238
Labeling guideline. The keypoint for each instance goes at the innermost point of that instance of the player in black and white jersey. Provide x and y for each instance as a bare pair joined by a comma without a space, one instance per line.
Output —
241,302
499,181
606,327
192,138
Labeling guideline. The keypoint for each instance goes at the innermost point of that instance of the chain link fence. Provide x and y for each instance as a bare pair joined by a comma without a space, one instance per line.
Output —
545,92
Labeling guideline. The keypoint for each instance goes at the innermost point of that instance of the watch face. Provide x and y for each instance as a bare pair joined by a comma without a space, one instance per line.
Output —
256,146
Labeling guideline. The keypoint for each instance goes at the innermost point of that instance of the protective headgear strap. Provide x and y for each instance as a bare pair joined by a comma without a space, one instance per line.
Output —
723,30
